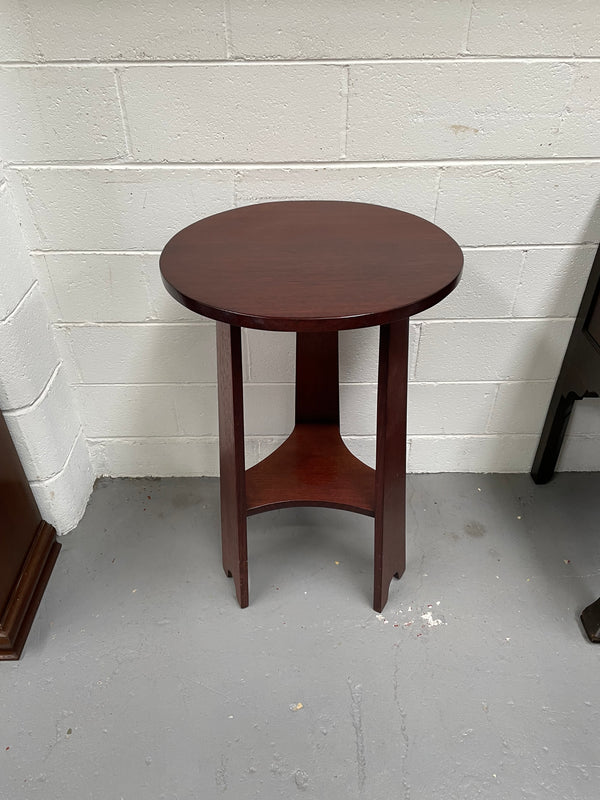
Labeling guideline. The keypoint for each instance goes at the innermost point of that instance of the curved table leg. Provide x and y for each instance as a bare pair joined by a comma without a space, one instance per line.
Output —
390,469
232,462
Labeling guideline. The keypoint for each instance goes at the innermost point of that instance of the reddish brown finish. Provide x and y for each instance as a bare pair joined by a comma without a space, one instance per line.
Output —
20,610
313,467
579,377
231,446
310,266
28,550
317,390
390,466
314,268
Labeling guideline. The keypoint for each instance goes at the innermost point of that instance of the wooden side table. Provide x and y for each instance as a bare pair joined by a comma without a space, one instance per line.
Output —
316,268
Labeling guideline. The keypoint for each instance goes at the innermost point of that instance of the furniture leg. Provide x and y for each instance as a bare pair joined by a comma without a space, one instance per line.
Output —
317,381
590,618
553,433
232,461
390,473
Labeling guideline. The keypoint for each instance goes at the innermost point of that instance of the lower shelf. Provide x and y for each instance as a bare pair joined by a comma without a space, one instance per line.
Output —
313,467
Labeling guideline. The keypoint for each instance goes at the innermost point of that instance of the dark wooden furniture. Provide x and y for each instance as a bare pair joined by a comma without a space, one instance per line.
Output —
315,268
579,377
28,550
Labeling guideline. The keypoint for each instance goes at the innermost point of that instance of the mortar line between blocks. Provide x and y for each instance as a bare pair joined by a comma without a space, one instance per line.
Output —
492,409
465,47
20,410
563,113
48,275
40,481
265,384
251,166
29,194
234,188
227,30
241,61
128,324
413,372
123,110
21,303
503,320
209,437
246,342
437,193
38,252
519,284
470,248
417,324
178,423
345,95
483,436
153,301
150,385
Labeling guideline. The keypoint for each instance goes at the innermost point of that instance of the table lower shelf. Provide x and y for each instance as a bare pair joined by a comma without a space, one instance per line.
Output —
313,467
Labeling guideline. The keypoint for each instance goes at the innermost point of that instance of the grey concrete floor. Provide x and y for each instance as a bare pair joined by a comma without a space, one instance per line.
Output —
142,679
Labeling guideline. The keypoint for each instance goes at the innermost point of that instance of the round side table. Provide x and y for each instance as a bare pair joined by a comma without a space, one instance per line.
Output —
314,267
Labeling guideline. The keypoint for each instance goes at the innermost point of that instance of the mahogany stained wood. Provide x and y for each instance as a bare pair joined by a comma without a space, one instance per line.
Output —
231,453
315,268
313,467
310,265
18,614
390,464
317,386
28,550
579,377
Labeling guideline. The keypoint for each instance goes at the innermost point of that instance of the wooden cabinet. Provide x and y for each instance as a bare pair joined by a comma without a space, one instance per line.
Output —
579,377
28,550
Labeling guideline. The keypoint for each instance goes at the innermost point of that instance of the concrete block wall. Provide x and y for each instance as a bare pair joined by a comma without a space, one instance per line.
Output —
35,397
126,121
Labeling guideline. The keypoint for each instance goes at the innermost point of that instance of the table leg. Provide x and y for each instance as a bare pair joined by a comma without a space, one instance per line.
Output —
590,617
232,462
390,471
317,381
553,432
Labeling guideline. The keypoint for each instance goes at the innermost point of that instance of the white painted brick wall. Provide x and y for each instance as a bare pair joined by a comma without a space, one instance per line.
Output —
236,113
17,274
472,110
60,113
136,30
396,187
35,397
124,122
336,29
44,431
538,28
28,354
118,208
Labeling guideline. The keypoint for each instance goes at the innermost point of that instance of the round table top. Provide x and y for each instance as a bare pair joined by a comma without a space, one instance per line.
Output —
310,265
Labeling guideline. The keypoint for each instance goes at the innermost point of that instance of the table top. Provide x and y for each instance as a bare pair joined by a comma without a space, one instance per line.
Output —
310,265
